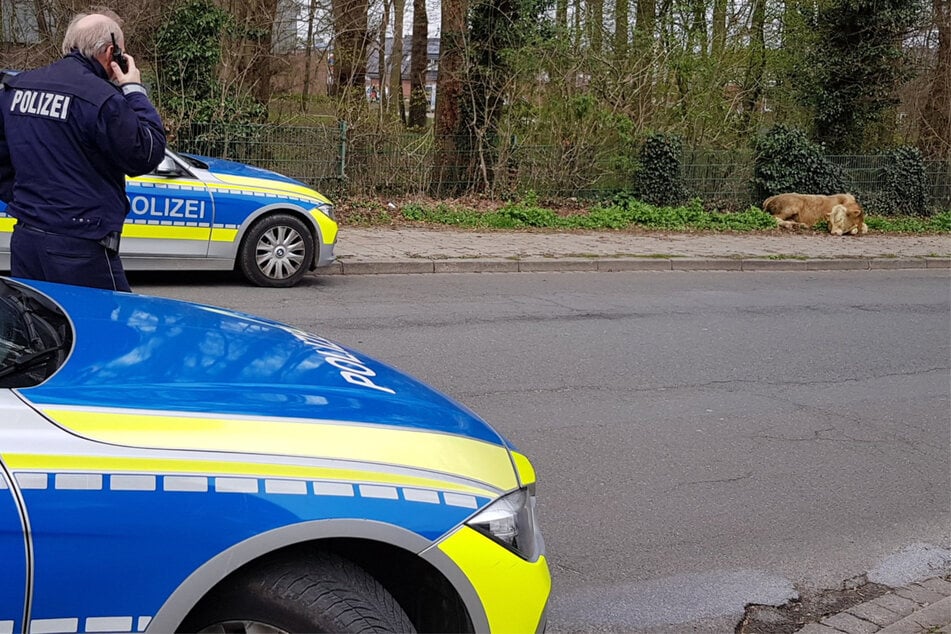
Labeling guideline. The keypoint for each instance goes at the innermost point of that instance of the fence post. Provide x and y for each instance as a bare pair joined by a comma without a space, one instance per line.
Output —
343,151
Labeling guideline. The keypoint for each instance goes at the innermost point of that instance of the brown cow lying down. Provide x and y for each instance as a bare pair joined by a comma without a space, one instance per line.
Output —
795,211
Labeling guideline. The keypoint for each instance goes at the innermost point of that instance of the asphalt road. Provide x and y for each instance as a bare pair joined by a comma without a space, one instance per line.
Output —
703,440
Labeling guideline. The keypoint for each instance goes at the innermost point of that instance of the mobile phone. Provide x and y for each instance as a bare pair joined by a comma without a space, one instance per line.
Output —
117,55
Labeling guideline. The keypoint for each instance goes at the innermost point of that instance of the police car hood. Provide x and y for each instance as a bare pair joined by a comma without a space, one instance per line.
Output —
228,170
173,361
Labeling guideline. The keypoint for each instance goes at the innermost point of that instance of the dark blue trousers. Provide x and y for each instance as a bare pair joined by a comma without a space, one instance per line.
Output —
51,257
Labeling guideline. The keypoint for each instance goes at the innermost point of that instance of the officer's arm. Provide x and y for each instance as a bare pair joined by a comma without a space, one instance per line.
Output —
6,167
131,132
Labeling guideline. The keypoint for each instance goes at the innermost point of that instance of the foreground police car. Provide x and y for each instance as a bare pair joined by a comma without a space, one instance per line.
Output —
202,213
175,467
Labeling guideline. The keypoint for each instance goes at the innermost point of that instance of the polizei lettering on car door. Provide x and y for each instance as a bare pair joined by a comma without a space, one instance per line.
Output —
150,207
351,368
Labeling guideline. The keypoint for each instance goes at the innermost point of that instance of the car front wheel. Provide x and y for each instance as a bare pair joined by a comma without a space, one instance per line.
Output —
277,251
320,593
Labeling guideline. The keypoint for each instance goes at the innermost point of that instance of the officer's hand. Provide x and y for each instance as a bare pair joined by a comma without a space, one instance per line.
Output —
133,76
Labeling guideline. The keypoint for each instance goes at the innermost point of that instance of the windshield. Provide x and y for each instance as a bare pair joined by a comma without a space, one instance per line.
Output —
35,336
191,160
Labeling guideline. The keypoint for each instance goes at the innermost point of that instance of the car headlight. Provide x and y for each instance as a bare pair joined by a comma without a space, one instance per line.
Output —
511,522
327,210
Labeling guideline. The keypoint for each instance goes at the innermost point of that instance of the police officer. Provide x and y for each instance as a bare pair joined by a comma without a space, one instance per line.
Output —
69,134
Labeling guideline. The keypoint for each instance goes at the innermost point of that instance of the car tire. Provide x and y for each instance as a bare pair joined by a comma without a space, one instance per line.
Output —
316,593
277,251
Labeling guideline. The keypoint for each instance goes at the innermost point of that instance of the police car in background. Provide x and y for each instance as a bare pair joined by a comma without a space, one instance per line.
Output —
167,466
196,212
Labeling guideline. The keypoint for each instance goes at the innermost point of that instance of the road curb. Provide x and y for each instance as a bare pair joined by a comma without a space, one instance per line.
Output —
611,265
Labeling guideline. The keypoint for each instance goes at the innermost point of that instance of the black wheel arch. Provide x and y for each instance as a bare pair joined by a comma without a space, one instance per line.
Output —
430,590
427,597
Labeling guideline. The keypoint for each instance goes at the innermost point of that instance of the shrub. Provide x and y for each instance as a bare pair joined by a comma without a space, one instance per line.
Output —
904,185
659,180
787,161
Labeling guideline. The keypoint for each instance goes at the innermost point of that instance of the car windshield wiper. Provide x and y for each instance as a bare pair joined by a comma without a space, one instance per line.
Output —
31,359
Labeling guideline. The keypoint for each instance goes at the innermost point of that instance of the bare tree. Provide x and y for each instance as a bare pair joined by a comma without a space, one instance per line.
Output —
34,29
42,25
418,103
621,13
449,166
561,15
645,25
577,23
595,17
382,59
396,62
756,68
698,41
250,62
937,108
308,54
351,36
719,27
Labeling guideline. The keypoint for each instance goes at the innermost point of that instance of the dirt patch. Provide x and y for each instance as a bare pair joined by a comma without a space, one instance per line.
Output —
810,607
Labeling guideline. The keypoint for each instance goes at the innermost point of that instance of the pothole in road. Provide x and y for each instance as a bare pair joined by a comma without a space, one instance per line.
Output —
810,607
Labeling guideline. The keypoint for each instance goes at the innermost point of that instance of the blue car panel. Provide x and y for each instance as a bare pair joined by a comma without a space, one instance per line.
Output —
166,355
155,455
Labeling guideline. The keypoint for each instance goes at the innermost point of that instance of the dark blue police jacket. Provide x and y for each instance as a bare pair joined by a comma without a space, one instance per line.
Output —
68,137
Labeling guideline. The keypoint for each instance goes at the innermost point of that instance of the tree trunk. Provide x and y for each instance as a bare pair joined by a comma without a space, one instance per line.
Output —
449,166
561,15
698,28
41,23
756,66
596,25
719,28
621,15
350,48
251,62
383,60
643,48
577,24
937,109
645,21
396,62
308,55
418,102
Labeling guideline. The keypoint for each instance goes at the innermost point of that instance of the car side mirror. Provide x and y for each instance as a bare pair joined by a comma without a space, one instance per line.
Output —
167,167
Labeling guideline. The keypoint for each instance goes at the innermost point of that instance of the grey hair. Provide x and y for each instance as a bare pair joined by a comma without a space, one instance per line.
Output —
91,39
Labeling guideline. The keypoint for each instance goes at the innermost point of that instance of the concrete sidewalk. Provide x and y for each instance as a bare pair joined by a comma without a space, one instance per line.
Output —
918,608
423,250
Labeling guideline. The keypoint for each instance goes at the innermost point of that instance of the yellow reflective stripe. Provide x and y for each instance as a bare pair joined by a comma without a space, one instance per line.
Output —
328,228
164,180
243,184
526,472
109,464
513,591
264,185
164,232
6,224
455,455
224,235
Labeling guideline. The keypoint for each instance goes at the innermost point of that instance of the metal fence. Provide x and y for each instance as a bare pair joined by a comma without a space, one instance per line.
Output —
352,164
